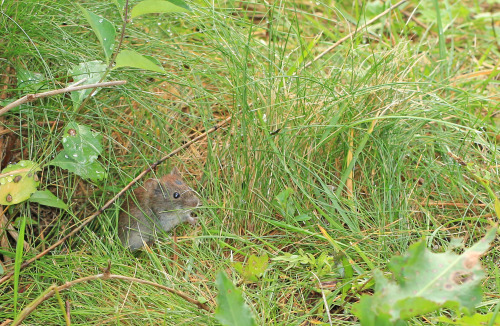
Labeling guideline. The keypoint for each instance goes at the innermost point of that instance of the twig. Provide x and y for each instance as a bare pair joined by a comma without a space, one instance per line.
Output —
47,294
374,19
110,65
32,97
112,200
68,312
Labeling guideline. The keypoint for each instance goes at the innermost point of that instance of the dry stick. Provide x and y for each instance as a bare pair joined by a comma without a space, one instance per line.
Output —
374,19
31,97
47,294
112,200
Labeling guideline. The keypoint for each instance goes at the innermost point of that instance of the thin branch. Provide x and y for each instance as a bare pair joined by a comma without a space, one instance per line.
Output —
112,200
47,294
342,40
31,97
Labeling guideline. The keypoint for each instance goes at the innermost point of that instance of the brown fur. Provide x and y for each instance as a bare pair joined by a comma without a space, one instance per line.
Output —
155,208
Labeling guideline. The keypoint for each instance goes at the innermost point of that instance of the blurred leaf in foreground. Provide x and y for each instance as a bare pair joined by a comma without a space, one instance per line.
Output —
425,282
474,320
231,308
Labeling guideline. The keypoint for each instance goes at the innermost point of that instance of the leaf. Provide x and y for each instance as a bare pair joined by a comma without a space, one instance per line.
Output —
156,6
93,171
82,146
93,72
254,268
18,261
47,198
285,203
425,282
29,81
231,308
128,58
81,143
103,29
18,182
120,4
474,320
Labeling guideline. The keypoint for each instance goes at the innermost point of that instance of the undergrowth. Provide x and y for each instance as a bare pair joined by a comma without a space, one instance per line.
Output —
348,157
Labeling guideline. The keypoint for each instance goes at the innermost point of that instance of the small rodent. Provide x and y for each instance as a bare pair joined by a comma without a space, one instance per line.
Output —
162,204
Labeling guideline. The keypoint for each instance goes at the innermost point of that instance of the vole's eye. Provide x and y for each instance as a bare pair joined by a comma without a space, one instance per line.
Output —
176,195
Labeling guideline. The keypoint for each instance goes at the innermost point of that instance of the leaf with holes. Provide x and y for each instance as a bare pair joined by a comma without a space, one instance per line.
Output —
82,147
18,182
425,282
81,143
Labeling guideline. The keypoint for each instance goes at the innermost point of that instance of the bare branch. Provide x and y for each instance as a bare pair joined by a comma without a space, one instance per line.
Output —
31,97
49,292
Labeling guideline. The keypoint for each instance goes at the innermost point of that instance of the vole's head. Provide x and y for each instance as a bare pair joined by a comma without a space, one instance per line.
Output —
170,193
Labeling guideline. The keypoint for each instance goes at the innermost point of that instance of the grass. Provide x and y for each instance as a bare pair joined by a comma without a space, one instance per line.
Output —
360,137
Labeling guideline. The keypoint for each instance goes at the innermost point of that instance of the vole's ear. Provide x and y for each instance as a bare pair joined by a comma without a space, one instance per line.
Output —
175,172
151,184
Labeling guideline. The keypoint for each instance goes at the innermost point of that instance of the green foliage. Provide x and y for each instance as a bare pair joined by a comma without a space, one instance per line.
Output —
81,150
129,58
490,319
92,72
254,267
18,182
158,6
231,307
47,198
29,81
321,265
103,29
285,204
425,282
381,95
18,261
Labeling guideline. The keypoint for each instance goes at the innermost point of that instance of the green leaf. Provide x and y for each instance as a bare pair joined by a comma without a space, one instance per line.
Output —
426,282
82,146
103,29
93,72
93,171
120,4
254,268
231,308
47,198
474,320
81,143
156,6
18,261
128,58
29,81
18,182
